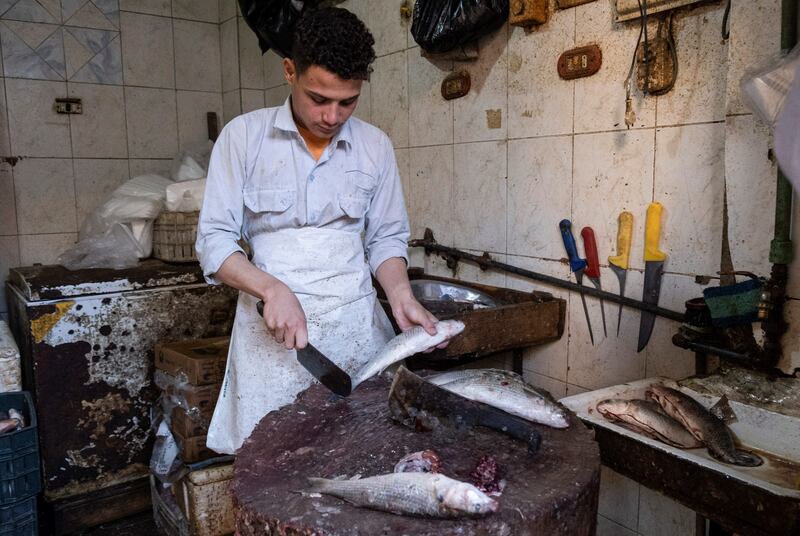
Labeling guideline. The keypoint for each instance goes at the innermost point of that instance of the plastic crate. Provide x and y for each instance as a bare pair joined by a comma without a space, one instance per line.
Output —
19,519
19,452
174,234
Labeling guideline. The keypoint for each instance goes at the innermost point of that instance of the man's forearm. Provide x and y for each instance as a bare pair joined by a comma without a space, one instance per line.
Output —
241,274
393,277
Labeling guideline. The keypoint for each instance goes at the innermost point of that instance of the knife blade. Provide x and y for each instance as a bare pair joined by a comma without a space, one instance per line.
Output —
576,265
320,366
593,266
653,271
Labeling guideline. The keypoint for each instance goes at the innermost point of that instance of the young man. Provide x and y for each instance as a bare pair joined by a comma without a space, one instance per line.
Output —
302,184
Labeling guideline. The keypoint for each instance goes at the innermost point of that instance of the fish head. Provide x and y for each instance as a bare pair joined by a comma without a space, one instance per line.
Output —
612,408
559,418
464,497
451,328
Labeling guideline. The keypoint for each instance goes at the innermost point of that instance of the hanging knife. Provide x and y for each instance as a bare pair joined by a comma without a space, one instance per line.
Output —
619,263
653,270
320,366
576,265
593,266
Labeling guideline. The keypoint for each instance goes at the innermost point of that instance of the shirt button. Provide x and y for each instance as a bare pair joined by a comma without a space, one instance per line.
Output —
311,178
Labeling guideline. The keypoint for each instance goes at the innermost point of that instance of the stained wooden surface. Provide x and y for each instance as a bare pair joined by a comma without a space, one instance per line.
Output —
551,492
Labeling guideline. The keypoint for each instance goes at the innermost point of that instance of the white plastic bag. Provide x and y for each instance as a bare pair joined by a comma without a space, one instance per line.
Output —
192,162
185,196
787,136
764,89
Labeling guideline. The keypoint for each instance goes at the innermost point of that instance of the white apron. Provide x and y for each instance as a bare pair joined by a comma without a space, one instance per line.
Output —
327,271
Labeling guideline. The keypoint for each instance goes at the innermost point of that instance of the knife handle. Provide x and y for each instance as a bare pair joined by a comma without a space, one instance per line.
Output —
590,247
260,308
624,236
576,264
652,233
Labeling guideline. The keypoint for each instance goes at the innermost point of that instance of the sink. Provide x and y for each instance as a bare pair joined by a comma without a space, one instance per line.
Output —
749,500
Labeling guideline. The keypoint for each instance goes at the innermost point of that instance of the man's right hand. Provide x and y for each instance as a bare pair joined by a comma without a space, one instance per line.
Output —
284,316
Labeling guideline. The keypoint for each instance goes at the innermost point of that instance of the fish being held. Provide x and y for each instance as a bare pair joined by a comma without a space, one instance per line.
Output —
419,494
503,390
703,425
647,418
406,344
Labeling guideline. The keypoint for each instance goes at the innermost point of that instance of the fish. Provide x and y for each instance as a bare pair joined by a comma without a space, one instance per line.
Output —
406,344
424,461
646,417
416,494
704,426
9,425
504,390
15,414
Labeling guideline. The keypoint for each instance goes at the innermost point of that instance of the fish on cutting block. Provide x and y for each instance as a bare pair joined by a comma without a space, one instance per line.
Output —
416,494
647,417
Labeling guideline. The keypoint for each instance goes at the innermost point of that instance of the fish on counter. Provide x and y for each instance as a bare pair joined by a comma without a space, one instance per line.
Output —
417,494
9,425
406,344
503,390
16,414
647,418
702,424
423,461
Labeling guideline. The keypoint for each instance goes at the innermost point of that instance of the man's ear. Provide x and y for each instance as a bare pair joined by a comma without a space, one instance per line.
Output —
289,70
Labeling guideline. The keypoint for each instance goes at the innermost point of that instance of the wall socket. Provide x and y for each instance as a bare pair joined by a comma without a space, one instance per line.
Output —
69,106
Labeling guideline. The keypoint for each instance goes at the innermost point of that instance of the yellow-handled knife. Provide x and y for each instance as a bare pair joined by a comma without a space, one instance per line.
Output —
619,263
653,270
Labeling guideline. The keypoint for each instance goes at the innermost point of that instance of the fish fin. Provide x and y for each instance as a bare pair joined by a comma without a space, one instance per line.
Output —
723,411
355,477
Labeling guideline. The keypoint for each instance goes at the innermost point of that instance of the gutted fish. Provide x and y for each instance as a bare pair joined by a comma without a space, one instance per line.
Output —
646,417
406,344
703,425
424,461
503,390
486,476
418,494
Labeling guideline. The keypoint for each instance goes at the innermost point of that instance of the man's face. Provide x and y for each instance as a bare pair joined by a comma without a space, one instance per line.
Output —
321,101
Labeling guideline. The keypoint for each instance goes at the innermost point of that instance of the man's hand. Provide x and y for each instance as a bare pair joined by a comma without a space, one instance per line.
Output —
284,316
408,313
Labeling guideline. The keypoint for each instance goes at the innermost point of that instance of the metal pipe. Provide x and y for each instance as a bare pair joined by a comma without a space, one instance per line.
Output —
705,348
486,262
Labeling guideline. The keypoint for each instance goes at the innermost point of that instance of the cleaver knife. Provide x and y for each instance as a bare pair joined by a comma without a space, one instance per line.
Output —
320,366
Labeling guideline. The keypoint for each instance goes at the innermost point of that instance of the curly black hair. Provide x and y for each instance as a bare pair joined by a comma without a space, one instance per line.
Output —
335,39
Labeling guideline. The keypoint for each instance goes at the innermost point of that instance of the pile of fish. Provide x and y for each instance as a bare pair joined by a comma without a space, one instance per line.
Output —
677,419
406,344
503,390
11,421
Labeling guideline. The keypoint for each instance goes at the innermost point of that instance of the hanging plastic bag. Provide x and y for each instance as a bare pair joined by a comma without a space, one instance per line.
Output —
764,89
787,136
192,163
273,21
442,25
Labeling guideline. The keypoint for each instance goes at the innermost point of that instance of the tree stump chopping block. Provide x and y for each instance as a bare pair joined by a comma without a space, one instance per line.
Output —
551,492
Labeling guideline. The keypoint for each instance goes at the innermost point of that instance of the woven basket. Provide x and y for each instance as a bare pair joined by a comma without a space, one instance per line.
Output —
174,234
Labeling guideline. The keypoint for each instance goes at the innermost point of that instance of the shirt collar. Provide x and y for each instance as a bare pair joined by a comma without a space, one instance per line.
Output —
285,121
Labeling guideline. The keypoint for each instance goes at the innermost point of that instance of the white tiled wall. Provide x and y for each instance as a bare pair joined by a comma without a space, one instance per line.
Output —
562,150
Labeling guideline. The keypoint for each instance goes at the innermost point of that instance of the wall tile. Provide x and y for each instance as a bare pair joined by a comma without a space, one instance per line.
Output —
152,122
231,104
361,10
192,121
751,183
44,248
36,129
755,38
480,187
252,99
93,55
203,10
557,389
227,9
9,258
539,195
363,106
147,47
5,143
32,50
387,26
403,159
575,389
32,11
606,527
276,96
273,69
548,360
229,53
613,173
600,99
619,498
197,56
45,195
95,181
430,117
146,166
661,516
250,61
688,182
472,273
390,97
99,132
539,102
8,209
151,7
482,114
431,173
102,14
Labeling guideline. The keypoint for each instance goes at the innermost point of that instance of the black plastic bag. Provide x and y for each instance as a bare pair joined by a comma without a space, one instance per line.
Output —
442,25
273,21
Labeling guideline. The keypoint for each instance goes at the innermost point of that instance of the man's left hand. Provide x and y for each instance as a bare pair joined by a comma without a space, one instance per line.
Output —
409,313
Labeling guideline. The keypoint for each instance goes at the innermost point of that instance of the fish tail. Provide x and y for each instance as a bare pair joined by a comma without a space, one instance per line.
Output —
747,459
317,485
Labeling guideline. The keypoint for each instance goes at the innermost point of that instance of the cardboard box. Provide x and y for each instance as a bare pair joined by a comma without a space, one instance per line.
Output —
187,426
193,449
201,361
204,497
195,398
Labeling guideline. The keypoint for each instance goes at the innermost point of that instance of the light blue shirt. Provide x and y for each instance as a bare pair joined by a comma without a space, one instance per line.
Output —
262,178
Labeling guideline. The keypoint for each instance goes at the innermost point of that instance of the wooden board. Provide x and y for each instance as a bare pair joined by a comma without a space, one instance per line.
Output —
554,491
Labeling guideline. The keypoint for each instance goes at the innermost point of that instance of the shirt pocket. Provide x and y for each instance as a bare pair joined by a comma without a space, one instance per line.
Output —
360,183
354,206
269,200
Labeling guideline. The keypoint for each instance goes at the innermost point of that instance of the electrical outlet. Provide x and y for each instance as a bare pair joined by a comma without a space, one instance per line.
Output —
69,106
